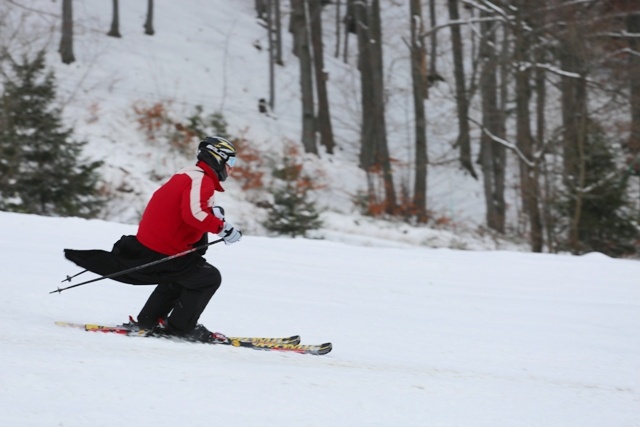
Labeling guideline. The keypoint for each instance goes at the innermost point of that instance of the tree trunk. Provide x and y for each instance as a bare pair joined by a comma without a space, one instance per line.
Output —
261,8
540,22
529,185
633,27
433,64
547,199
301,49
115,21
374,153
490,156
499,150
350,26
272,54
324,115
462,101
380,127
367,147
66,41
278,32
574,118
338,29
418,75
148,24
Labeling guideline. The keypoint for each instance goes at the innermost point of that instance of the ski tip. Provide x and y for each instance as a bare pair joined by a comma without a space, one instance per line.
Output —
70,324
324,349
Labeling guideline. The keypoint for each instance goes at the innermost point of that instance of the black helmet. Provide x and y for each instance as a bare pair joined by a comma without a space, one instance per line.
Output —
217,152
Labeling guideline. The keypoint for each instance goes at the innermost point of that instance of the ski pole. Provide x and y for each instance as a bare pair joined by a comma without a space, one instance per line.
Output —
140,267
68,279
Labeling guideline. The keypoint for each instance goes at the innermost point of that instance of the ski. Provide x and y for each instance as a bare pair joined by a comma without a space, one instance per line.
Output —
294,339
283,344
315,349
124,330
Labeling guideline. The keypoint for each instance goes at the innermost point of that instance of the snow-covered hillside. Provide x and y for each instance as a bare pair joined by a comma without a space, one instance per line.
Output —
212,53
422,337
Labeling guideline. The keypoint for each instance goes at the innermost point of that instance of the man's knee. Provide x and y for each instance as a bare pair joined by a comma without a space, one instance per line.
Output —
214,276
206,277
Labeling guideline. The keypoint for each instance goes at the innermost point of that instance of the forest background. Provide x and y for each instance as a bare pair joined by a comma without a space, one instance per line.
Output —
511,121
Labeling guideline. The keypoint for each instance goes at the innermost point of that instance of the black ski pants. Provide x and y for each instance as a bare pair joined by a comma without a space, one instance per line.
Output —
183,300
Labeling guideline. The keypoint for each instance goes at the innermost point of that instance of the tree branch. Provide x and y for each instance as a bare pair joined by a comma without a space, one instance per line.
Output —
511,146
460,22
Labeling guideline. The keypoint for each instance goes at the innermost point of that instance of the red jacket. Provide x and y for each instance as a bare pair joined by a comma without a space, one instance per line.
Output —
179,212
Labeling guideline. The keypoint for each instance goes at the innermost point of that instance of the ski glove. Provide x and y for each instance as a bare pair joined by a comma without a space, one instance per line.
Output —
218,212
230,234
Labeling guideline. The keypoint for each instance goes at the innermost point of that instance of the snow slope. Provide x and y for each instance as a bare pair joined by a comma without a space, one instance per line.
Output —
422,337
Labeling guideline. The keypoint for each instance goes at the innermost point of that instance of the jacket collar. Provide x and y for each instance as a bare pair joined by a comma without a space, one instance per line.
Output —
211,174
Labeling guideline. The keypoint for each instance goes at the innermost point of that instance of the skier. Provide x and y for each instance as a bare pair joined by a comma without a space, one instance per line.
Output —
177,218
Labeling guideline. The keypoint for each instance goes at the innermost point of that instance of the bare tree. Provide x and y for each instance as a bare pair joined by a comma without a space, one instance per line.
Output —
349,26
529,182
367,148
462,100
272,55
433,64
338,28
492,153
633,28
277,14
115,21
274,38
324,116
419,79
573,86
148,23
588,51
374,153
301,48
380,133
66,41
541,55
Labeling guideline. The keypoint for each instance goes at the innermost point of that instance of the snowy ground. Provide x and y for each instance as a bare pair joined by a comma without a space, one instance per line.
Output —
422,337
